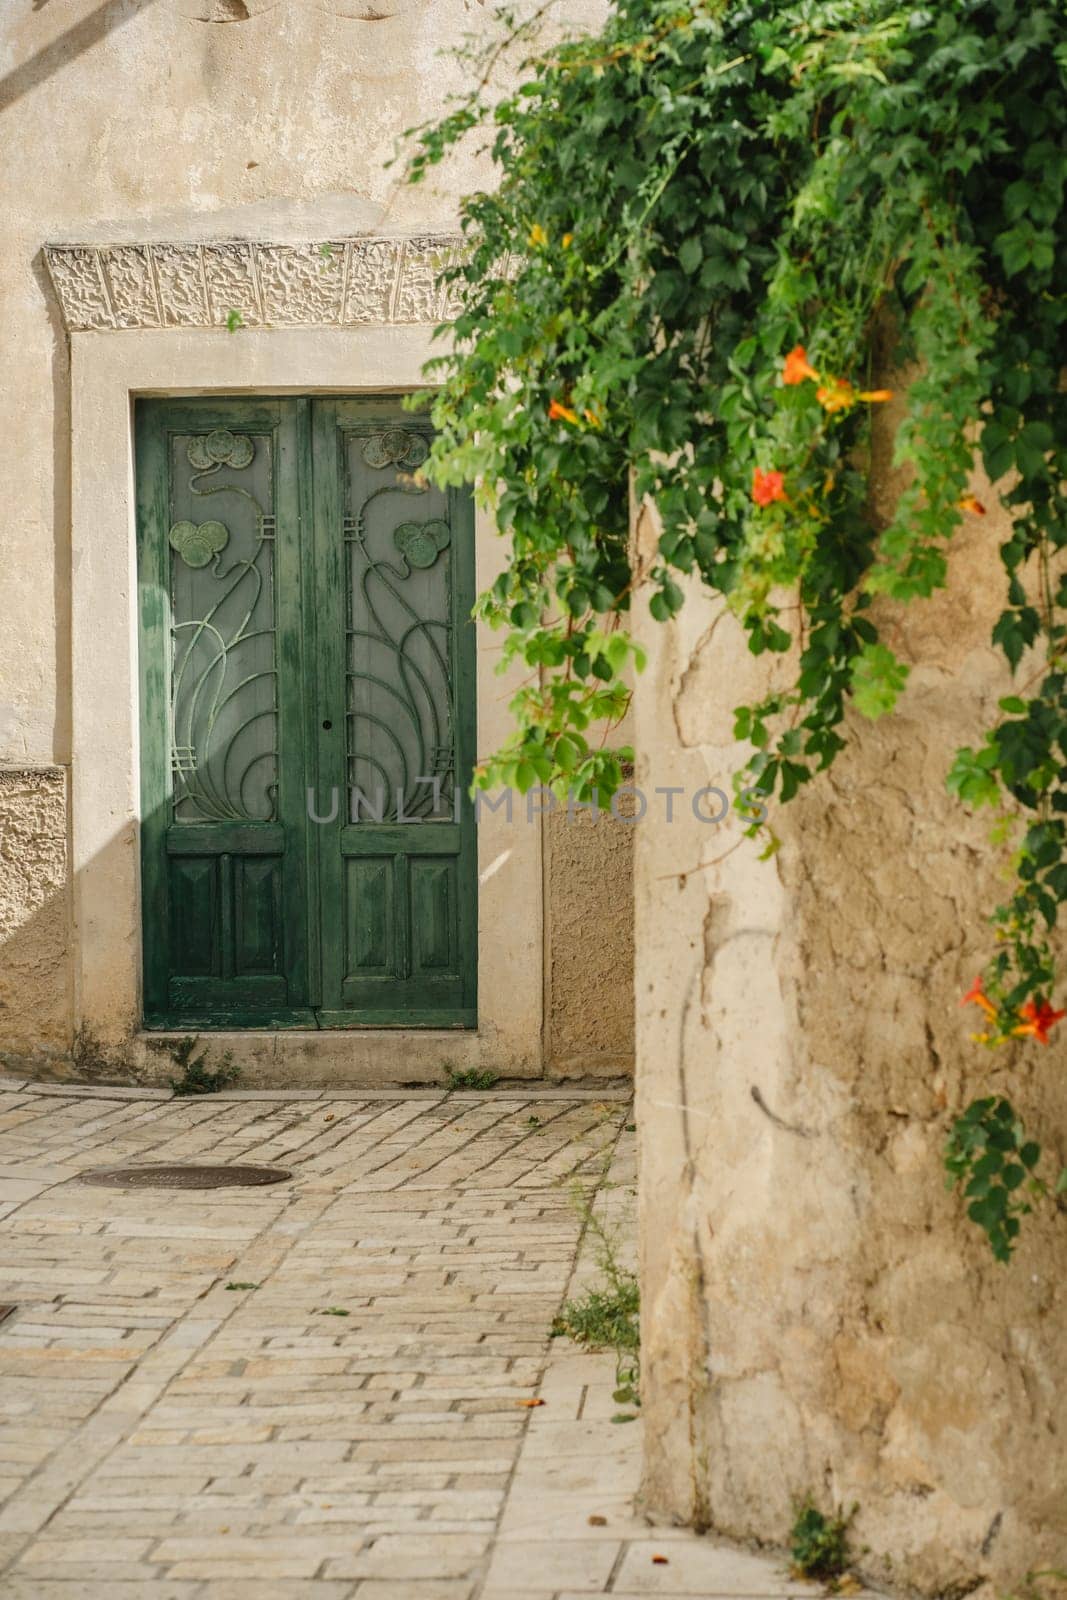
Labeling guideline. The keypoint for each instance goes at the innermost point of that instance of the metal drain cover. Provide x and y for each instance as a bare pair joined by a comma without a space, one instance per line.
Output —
184,1177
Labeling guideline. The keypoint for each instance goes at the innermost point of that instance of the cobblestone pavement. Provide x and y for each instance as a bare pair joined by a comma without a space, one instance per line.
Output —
317,1389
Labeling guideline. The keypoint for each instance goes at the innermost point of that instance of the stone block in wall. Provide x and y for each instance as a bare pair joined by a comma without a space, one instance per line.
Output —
35,976
589,950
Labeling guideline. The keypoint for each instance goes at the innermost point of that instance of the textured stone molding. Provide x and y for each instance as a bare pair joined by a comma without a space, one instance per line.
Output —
344,283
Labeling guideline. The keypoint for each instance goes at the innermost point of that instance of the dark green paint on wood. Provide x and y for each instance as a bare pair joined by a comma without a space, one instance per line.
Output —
257,923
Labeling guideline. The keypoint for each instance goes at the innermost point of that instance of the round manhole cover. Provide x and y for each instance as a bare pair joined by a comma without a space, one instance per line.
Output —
184,1177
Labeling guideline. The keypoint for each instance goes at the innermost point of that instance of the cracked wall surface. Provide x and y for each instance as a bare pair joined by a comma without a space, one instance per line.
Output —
818,1315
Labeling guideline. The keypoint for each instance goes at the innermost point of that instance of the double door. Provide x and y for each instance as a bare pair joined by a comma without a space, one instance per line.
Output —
307,718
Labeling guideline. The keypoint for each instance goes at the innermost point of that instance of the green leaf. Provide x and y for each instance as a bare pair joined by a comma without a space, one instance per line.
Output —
877,680
690,254
568,753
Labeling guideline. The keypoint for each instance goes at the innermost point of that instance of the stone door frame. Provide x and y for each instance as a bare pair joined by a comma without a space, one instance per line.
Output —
110,367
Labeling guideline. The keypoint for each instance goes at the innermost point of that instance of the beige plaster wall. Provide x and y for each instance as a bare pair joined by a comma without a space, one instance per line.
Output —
184,120
817,1313
589,944
140,120
34,914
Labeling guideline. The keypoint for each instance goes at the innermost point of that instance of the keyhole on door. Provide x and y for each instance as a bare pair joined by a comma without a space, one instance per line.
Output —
327,725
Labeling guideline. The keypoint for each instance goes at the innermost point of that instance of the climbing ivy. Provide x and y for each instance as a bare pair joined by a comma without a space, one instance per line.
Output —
716,229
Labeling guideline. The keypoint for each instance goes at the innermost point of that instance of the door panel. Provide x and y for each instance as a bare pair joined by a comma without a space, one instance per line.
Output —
305,627
433,921
223,826
194,916
397,735
258,933
370,923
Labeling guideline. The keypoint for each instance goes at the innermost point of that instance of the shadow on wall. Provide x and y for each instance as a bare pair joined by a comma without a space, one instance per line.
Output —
74,41
36,980
37,1000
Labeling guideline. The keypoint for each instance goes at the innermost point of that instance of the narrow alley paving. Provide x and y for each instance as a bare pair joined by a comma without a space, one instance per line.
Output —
320,1387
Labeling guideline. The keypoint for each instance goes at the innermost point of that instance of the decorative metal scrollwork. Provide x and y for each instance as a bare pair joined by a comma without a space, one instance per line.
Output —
223,693
396,447
198,543
420,543
400,715
220,448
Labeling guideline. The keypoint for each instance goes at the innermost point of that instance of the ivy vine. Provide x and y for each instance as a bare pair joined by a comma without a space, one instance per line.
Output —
717,228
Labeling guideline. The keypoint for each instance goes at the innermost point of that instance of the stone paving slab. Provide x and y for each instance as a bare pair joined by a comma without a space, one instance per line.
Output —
317,1388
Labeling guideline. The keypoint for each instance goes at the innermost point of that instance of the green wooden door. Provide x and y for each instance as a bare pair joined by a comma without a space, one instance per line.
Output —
307,719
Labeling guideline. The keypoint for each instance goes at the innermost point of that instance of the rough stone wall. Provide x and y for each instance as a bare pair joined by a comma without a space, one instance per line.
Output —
818,1315
34,913
589,949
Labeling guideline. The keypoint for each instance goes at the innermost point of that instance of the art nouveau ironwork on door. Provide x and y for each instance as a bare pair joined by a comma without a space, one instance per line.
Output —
223,679
307,718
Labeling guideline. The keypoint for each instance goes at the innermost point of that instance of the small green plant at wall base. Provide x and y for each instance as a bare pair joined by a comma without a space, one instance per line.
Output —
197,1077
603,1318
471,1078
606,1317
88,1054
819,1544
712,228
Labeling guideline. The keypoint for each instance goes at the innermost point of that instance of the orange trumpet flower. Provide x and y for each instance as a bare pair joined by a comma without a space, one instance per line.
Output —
977,996
797,368
767,487
1038,1017
837,394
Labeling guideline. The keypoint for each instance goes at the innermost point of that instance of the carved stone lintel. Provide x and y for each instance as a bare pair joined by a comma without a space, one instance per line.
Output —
344,283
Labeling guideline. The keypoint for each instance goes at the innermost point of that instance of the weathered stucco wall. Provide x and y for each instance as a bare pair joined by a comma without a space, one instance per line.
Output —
589,944
818,1315
163,120
183,121
34,914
